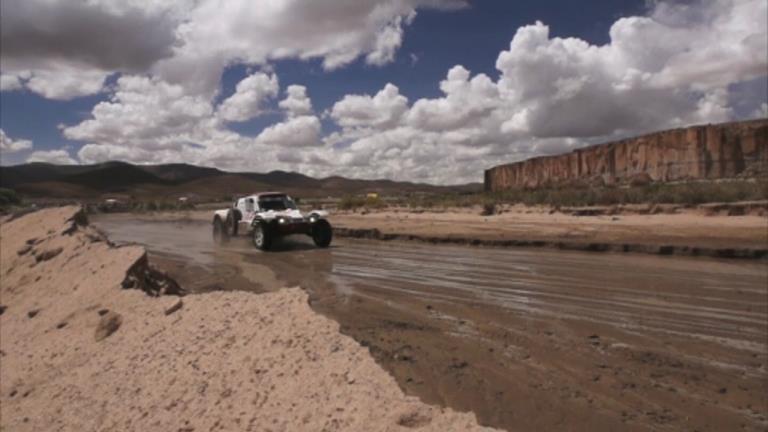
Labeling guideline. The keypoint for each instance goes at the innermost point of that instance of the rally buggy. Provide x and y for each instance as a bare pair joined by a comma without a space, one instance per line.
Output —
267,216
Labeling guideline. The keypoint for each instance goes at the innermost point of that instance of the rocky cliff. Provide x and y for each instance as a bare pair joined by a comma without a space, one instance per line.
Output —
727,150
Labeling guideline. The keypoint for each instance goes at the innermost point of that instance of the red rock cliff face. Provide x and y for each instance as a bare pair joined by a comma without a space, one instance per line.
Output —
726,150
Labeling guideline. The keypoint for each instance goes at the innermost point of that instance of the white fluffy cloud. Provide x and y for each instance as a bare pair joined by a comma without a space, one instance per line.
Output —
191,42
68,48
381,111
8,145
667,69
675,66
10,82
250,95
58,157
301,131
671,68
337,31
146,113
296,102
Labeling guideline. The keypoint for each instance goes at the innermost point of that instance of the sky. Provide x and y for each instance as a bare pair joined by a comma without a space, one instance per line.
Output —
420,90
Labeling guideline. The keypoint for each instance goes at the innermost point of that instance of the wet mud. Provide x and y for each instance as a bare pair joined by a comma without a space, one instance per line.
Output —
526,339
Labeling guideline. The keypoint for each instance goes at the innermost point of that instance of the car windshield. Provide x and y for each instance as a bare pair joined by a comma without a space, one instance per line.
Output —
276,203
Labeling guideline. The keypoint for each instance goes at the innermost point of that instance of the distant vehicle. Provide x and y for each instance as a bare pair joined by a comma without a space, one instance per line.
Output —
267,216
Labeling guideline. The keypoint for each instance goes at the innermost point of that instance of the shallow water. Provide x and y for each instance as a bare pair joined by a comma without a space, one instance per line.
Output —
702,297
391,295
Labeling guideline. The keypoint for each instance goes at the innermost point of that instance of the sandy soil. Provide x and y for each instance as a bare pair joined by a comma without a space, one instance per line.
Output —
80,353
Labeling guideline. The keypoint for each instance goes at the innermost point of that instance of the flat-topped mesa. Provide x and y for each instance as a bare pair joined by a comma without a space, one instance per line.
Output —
709,152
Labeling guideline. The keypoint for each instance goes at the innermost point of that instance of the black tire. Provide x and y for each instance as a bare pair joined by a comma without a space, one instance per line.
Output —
233,222
322,233
220,233
262,236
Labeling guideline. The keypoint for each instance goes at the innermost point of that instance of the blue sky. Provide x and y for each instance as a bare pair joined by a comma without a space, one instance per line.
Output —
42,96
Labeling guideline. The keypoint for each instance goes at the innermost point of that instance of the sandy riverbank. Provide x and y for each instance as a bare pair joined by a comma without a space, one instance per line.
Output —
80,352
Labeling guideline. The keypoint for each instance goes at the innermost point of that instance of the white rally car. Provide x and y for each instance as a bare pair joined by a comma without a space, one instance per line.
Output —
267,216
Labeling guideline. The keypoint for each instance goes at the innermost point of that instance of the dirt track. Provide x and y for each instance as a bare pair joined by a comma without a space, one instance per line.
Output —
527,339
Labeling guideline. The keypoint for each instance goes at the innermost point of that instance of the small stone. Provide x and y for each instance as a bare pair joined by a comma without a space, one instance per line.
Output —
24,250
33,313
2,309
48,254
175,305
103,312
108,324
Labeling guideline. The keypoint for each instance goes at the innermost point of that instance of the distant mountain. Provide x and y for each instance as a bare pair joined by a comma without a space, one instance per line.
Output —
181,173
173,180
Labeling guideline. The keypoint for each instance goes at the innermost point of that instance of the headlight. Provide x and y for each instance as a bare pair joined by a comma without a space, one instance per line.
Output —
313,219
281,220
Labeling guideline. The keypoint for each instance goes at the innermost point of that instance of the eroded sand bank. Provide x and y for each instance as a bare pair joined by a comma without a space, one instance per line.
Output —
81,352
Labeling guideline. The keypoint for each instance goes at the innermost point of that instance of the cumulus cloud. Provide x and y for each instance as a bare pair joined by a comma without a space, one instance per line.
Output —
675,66
189,43
296,102
10,82
58,157
655,72
69,48
337,32
300,131
467,102
671,68
147,113
383,110
8,145
250,95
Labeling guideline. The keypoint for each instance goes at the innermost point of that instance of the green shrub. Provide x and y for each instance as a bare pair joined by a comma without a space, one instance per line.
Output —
8,197
355,202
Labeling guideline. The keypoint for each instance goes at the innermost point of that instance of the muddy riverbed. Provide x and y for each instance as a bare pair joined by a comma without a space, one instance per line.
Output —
526,339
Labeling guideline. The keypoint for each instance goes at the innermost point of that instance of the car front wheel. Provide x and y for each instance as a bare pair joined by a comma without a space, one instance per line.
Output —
262,237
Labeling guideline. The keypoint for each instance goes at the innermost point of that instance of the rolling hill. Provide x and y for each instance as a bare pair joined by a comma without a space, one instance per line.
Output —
170,181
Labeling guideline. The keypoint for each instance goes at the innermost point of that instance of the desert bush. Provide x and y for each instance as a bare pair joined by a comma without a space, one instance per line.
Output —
8,197
351,203
355,202
489,208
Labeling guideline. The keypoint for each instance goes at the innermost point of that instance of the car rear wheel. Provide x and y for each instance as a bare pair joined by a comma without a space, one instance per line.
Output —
233,221
322,234
220,234
262,236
